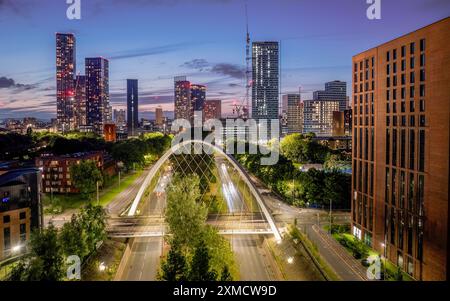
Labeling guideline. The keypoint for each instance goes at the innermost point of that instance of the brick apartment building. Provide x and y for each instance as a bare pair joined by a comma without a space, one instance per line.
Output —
401,105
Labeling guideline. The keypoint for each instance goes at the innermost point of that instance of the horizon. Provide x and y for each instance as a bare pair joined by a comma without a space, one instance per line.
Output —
211,54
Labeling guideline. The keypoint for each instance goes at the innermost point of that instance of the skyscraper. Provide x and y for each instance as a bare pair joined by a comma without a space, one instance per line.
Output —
400,188
159,116
294,109
97,92
132,106
213,109
80,101
65,75
198,97
335,90
183,101
265,88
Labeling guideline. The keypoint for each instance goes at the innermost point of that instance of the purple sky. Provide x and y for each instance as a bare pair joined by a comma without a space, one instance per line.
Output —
155,40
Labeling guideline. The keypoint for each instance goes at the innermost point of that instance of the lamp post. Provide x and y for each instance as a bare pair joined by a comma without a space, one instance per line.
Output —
384,255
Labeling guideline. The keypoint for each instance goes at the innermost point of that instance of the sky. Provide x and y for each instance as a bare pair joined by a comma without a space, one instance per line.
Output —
155,40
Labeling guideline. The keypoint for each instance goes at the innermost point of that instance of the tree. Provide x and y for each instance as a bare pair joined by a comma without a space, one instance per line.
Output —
45,262
200,265
226,275
85,176
175,267
93,221
73,238
185,216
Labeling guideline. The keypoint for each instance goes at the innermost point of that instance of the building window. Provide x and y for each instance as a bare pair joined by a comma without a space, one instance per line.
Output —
388,56
394,147
422,90
412,143
412,62
422,75
394,187
22,215
422,150
422,105
388,140
402,148
422,45
403,51
6,239
23,233
6,219
387,185
402,190
422,60
412,47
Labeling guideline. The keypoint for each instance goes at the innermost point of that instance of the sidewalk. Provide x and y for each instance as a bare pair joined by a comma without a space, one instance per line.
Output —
347,267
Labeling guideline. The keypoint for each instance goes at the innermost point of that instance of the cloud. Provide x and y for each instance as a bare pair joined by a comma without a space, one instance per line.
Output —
198,64
10,83
225,69
231,70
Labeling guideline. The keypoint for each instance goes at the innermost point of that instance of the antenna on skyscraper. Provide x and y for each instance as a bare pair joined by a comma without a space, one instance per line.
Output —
247,71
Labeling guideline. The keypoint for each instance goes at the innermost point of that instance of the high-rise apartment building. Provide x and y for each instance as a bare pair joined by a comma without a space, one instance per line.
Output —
132,106
294,113
183,102
198,97
265,75
401,106
80,101
65,75
120,118
213,109
335,90
97,92
159,116
318,117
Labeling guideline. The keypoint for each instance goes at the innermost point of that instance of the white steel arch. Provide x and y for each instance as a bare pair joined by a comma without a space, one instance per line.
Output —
230,159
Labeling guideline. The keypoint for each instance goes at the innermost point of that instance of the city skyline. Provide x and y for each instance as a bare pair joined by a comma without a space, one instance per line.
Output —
216,58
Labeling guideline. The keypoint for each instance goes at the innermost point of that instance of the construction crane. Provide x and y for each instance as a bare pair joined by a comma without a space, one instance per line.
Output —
242,110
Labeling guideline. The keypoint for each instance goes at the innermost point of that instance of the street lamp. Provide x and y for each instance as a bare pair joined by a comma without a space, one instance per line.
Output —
383,245
16,249
102,267
290,260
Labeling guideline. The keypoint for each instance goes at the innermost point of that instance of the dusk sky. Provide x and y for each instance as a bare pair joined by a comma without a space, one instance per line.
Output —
155,40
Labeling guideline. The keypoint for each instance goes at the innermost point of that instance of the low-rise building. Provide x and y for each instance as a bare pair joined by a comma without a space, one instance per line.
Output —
19,208
56,169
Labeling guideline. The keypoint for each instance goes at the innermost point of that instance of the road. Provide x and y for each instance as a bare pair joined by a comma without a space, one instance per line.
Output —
143,261
309,221
253,259
235,202
121,201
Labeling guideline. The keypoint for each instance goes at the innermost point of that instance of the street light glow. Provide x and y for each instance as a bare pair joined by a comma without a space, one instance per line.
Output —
102,267
16,248
290,260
